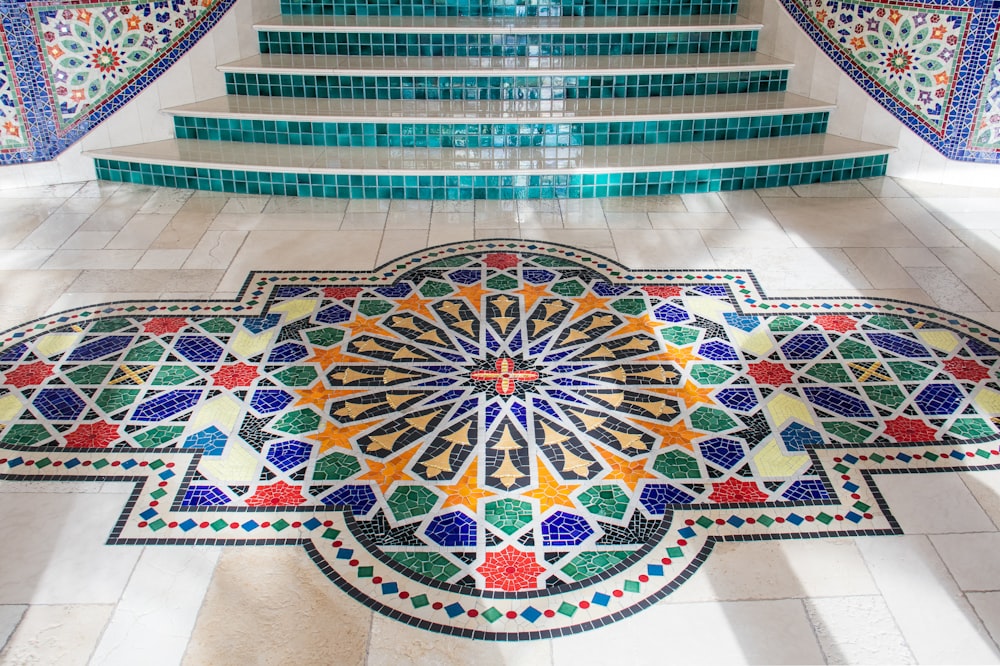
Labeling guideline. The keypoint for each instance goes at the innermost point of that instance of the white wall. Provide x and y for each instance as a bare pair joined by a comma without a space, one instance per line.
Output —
858,116
192,78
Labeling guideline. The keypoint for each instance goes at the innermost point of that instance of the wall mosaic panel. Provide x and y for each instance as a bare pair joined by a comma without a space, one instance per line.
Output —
986,130
925,63
76,63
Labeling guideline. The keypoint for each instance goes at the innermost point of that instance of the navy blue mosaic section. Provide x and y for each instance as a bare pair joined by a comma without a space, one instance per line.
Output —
483,135
499,45
494,87
574,186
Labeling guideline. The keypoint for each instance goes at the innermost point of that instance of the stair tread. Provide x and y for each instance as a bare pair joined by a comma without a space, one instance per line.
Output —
612,109
493,161
317,65
506,25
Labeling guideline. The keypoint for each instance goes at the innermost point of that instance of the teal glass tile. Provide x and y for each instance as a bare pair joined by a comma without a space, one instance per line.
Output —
507,8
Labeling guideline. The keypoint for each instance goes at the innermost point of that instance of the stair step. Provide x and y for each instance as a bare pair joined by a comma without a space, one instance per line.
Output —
504,78
493,25
471,123
574,172
518,8
414,36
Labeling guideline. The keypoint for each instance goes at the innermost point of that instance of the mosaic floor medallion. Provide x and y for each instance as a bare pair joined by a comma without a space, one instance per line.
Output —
500,439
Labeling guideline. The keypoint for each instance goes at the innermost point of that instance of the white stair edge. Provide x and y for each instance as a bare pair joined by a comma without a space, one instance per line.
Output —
681,107
567,160
507,25
490,67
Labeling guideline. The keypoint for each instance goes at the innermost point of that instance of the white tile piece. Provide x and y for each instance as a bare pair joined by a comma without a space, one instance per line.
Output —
963,555
857,630
926,603
880,268
153,621
933,503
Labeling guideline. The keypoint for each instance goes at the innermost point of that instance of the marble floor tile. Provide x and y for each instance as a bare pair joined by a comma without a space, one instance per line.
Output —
56,634
857,630
932,503
796,269
9,618
692,221
840,222
662,249
962,554
987,605
881,269
947,290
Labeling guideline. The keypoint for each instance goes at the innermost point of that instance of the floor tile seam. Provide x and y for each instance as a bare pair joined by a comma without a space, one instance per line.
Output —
963,593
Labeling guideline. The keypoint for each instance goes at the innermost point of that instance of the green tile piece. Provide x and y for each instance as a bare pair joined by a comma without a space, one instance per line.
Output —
848,432
568,288
432,565
109,325
891,323
218,325
680,336
608,501
371,307
502,282
709,374
435,289
630,306
172,375
297,376
25,434
710,419
591,563
89,374
970,428
508,514
336,467
411,501
325,337
297,422
150,351
677,465
854,350
111,400
888,395
491,615
830,373
785,323
908,371
158,436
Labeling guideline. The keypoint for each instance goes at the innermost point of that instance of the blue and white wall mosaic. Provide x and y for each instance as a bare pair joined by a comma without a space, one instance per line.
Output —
69,65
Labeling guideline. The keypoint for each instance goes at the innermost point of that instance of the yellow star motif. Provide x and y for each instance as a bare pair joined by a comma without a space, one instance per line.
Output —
384,474
339,436
415,304
551,491
473,293
466,490
531,294
627,470
587,304
670,435
317,395
371,325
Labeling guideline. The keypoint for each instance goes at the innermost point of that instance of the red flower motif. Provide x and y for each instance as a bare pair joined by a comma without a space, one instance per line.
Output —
238,375
161,325
734,490
966,368
92,436
840,323
341,292
501,260
510,570
277,494
899,61
662,291
769,374
32,374
903,429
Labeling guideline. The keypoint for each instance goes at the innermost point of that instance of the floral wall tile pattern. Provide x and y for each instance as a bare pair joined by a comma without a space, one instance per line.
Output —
12,135
76,63
986,131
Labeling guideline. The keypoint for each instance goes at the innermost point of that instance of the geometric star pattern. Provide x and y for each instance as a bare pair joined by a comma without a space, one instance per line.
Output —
499,439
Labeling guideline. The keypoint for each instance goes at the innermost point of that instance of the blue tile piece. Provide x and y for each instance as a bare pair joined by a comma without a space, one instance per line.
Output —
204,495
257,325
336,314
289,455
718,351
602,288
58,404
269,401
741,322
726,453
290,352
565,529
465,276
806,489
738,399
797,437
899,345
198,349
838,402
940,399
211,441
536,276
100,348
400,290
668,312
656,497
166,405
359,499
452,529
804,346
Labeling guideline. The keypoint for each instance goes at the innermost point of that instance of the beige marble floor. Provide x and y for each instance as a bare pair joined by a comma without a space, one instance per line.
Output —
931,595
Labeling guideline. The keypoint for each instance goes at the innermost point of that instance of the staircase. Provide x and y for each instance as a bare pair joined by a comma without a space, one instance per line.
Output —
499,99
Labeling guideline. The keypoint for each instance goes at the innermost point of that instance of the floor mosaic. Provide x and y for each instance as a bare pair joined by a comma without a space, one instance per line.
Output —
499,439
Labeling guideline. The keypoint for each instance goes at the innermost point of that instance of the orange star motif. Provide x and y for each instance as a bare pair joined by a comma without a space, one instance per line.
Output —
680,356
360,325
587,304
671,435
473,293
640,324
531,294
692,394
415,304
551,491
327,357
384,474
317,394
629,471
339,436
466,491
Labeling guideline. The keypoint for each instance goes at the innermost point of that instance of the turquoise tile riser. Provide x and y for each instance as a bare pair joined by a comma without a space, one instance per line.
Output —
504,87
509,7
483,135
572,186
477,45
